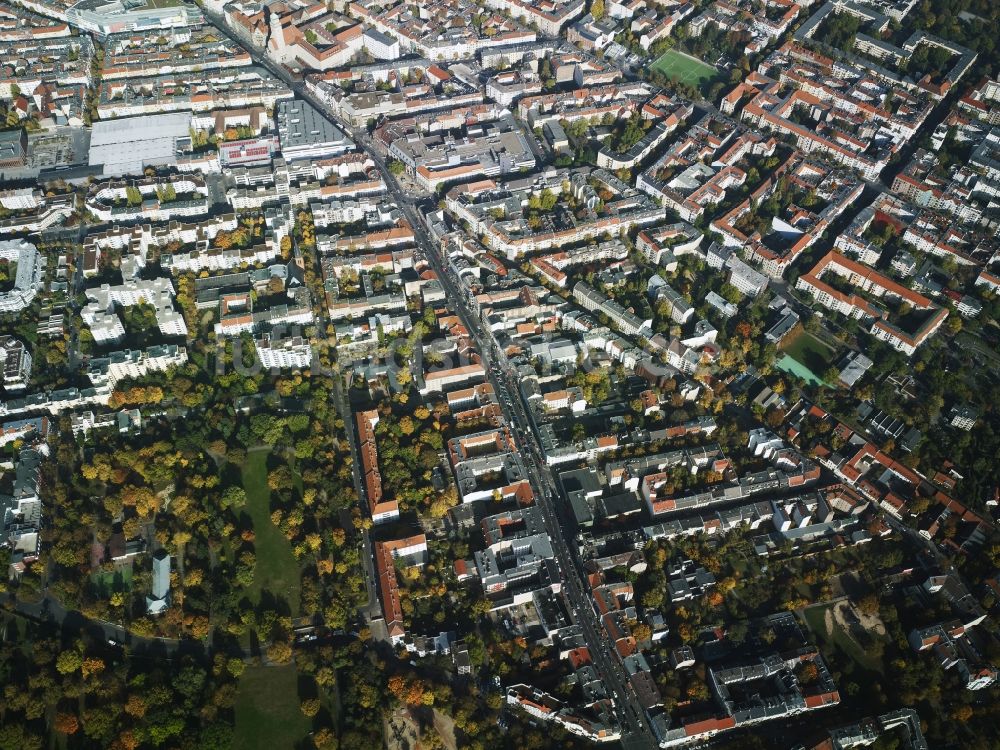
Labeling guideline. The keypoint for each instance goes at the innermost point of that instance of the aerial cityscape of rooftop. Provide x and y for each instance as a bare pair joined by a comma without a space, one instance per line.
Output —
487,374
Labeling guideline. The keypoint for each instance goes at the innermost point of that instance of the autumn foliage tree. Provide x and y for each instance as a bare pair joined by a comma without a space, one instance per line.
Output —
66,723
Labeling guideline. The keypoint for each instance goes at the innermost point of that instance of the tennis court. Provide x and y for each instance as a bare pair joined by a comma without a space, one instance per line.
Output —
683,68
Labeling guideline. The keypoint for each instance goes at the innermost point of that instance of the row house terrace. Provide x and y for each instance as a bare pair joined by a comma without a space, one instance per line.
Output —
440,30
169,51
240,87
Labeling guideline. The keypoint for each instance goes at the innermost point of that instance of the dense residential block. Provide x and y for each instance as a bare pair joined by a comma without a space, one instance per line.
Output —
500,374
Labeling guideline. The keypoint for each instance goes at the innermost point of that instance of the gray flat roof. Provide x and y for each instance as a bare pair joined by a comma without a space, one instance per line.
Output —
126,145
301,124
144,127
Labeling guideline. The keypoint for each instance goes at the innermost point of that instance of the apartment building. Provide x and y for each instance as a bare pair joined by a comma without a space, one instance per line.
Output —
361,107
801,81
215,259
552,267
33,62
184,49
702,165
296,312
16,364
480,202
437,381
611,159
507,86
625,321
860,307
17,22
759,25
594,722
439,30
27,278
619,100
105,373
407,552
113,368
740,274
513,568
655,23
101,316
795,228
26,430
549,16
152,198
964,192
954,646
982,101
240,87
141,238
283,353
853,242
486,465
21,512
876,53
662,246
780,693
387,262
381,509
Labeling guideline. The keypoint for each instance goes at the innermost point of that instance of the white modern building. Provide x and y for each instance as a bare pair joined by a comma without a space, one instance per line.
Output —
16,363
101,316
159,598
292,352
27,278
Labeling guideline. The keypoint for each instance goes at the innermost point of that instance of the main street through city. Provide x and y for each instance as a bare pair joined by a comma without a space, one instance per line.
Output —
636,734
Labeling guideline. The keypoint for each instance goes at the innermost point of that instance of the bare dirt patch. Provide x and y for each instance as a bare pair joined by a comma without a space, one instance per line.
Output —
446,728
850,618
403,730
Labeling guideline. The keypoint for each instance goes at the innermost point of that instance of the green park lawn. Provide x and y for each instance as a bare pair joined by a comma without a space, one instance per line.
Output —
277,571
267,710
108,582
683,68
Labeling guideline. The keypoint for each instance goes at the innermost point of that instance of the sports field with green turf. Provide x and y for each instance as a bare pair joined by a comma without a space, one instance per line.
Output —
683,68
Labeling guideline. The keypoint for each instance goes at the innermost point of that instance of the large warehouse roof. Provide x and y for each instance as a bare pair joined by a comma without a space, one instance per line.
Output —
302,127
127,145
